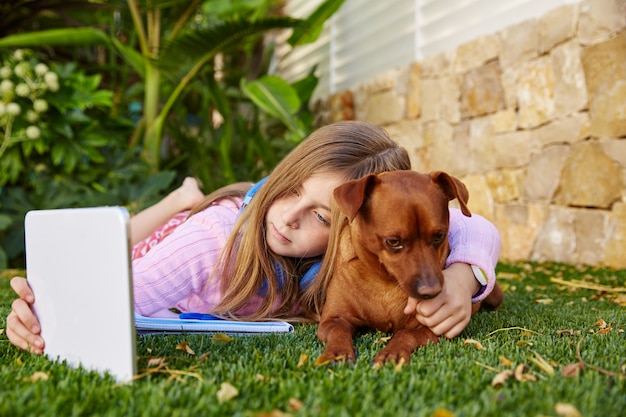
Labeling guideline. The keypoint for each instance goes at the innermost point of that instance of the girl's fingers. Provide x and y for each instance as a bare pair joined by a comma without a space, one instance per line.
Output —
22,289
21,336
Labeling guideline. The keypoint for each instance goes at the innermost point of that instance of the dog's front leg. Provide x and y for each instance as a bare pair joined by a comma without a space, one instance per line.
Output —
337,332
403,343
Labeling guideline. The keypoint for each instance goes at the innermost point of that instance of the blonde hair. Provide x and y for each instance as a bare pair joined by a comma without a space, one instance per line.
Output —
352,149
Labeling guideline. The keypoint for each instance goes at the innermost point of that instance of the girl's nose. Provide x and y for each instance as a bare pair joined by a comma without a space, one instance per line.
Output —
291,216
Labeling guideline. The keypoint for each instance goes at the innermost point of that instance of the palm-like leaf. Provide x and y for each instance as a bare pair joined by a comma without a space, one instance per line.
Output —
188,52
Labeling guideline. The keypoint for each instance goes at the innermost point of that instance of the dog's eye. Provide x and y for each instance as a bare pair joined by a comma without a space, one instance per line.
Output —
438,238
393,243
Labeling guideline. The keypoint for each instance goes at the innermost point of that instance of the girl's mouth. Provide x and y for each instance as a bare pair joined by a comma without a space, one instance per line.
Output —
279,235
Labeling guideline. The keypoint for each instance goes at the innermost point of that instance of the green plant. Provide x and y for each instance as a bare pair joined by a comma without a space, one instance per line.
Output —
171,49
78,155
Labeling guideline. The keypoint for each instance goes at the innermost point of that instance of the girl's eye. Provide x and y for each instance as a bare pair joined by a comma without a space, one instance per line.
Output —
322,219
293,191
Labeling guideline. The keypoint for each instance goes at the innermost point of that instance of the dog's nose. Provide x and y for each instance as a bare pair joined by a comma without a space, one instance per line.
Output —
426,291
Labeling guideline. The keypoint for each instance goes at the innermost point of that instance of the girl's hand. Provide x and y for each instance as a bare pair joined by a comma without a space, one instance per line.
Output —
449,312
22,326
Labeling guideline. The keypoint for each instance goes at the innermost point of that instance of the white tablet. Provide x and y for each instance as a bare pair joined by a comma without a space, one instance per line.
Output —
78,265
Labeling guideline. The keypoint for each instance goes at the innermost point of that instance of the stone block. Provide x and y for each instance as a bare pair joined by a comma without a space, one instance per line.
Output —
590,178
431,96
616,149
414,93
571,129
535,93
556,240
461,163
605,72
439,64
508,79
450,93
439,135
477,52
519,226
505,184
512,150
544,173
480,198
482,149
519,43
591,231
615,248
557,26
384,108
505,121
600,19
570,89
409,135
481,91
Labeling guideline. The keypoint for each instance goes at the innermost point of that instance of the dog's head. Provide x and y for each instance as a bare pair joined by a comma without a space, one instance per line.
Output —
399,224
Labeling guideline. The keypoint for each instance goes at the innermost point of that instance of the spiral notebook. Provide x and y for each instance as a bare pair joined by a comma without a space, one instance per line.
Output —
78,266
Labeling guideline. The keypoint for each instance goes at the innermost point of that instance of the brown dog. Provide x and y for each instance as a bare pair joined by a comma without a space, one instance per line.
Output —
394,245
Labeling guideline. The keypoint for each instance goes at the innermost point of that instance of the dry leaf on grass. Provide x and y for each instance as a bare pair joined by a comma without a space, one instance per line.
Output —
382,340
156,362
185,347
442,412
474,343
619,299
504,361
521,375
566,410
323,360
500,379
38,376
221,337
572,370
295,405
543,364
304,358
226,392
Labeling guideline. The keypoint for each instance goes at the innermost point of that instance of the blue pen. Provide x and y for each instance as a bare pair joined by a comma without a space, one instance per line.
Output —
198,316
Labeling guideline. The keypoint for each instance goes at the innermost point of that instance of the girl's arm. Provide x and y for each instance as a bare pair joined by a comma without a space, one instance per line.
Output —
174,273
473,241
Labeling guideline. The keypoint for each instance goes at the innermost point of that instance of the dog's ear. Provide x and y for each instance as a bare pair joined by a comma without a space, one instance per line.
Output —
453,188
351,195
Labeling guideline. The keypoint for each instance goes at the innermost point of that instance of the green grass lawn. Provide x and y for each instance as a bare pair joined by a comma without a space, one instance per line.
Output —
562,347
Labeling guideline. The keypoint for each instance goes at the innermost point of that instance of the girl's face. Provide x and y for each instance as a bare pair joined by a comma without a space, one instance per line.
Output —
297,225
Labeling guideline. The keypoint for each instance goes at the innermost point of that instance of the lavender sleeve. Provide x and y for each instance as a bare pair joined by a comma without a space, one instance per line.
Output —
174,273
476,241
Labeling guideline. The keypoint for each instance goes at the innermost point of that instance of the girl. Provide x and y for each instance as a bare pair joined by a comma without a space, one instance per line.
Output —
255,253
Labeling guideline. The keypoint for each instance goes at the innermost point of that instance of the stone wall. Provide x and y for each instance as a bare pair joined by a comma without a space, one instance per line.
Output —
532,119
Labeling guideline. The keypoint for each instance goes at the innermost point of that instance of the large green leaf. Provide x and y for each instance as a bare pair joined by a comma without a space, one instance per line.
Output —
276,97
187,52
314,23
56,37
132,57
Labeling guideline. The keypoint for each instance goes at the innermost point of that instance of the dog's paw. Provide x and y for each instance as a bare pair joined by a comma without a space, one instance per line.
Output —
398,358
333,356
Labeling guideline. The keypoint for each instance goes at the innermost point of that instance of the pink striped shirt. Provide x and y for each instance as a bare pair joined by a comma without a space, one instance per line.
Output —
174,272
